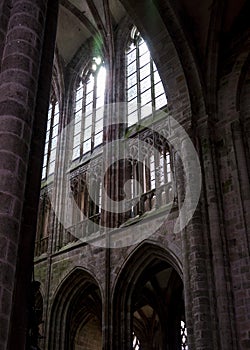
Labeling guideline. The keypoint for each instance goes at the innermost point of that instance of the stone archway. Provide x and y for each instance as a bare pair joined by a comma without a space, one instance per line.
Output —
148,301
76,315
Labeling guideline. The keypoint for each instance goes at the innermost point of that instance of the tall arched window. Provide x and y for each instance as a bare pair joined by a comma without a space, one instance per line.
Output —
51,139
88,111
145,92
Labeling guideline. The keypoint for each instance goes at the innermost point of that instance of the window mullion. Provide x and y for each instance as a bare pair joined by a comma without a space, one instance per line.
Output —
83,118
94,112
53,104
138,80
152,85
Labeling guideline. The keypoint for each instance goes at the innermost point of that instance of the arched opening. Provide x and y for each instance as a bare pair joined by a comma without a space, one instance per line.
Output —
89,336
149,311
158,307
76,316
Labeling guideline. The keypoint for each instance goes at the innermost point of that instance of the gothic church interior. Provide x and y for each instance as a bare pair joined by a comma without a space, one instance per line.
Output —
125,166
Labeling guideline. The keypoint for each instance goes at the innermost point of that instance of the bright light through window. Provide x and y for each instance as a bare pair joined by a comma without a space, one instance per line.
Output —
184,345
136,343
145,92
51,140
89,109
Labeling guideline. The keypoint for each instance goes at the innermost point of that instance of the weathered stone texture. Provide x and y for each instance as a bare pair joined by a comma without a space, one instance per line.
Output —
92,297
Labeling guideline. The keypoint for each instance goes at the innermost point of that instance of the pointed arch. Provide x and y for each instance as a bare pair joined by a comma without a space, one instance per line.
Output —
172,55
147,291
77,301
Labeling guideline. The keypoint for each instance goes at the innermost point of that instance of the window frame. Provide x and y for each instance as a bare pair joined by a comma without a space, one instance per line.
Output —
91,141
135,106
53,115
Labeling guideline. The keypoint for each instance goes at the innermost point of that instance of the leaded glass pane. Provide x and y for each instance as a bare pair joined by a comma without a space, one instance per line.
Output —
44,172
99,126
99,114
56,118
146,110
152,172
51,168
132,92
100,101
78,105
79,93
144,59
87,133
88,121
47,136
145,71
132,118
89,108
132,105
49,113
76,152
159,89
87,146
145,83
98,138
55,131
51,138
91,121
143,48
101,81
54,142
48,124
156,77
160,101
131,68
131,80
46,148
90,84
89,98
77,140
52,155
77,128
78,116
131,56
146,97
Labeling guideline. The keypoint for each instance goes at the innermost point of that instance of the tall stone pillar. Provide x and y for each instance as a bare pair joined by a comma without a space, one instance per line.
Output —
5,6
216,238
18,88
200,325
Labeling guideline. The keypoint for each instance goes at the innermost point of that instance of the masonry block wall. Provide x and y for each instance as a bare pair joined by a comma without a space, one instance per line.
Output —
22,36
97,298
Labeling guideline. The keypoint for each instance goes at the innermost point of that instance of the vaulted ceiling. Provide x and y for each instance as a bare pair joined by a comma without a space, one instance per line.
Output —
80,19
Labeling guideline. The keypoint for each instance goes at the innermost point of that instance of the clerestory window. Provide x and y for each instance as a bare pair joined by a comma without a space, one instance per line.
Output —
144,89
89,111
51,139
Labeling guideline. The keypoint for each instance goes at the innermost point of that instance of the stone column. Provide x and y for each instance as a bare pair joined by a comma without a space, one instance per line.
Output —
216,236
18,87
195,257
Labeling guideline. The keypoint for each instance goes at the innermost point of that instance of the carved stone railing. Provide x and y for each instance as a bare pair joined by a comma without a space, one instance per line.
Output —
154,142
82,229
153,199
